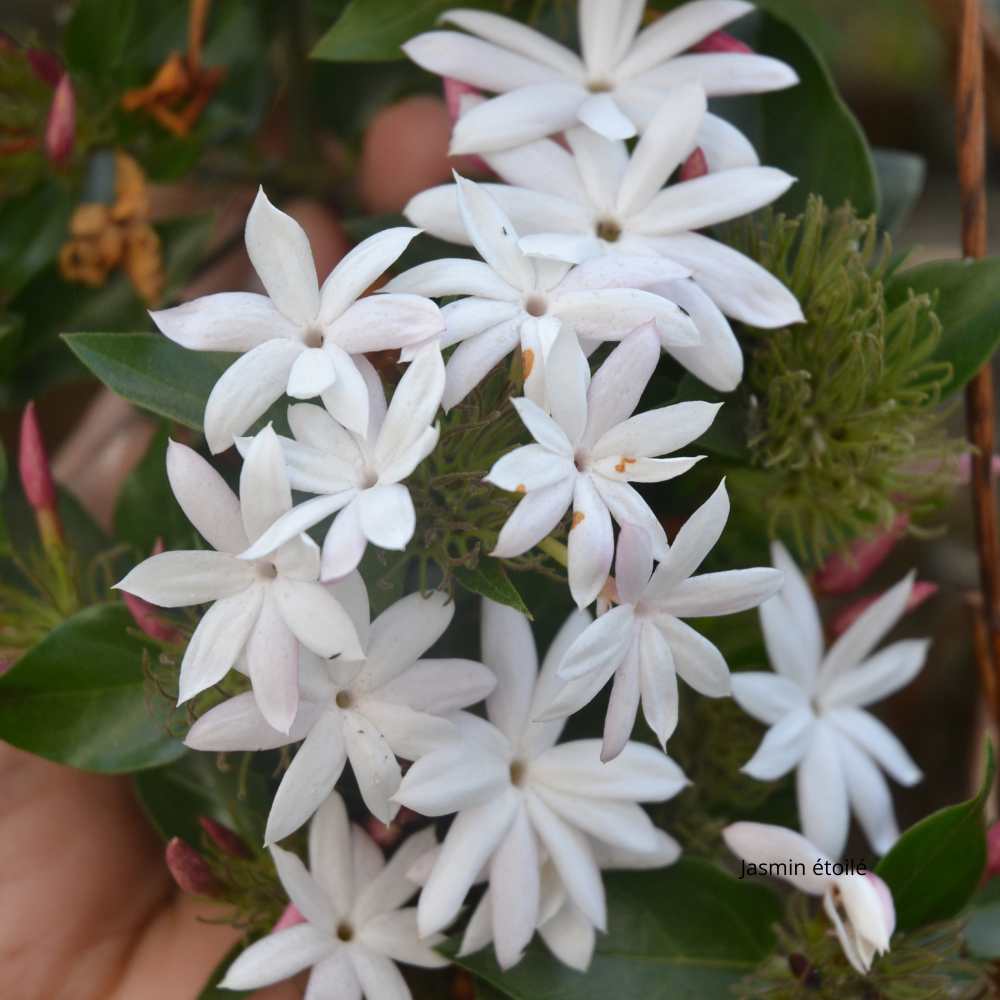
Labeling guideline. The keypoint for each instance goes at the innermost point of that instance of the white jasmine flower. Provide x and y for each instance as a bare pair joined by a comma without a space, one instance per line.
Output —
859,905
615,88
360,474
263,608
588,451
514,299
298,338
814,705
520,798
367,712
599,199
356,927
643,642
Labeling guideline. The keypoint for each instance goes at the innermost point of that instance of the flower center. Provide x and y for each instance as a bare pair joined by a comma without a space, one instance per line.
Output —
600,86
535,305
267,571
313,337
345,932
582,461
609,230
518,769
344,699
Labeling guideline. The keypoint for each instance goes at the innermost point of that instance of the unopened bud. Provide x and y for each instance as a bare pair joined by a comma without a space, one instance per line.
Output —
60,129
147,618
45,66
722,41
922,590
190,870
694,166
845,572
387,835
454,92
226,840
992,851
289,918
36,478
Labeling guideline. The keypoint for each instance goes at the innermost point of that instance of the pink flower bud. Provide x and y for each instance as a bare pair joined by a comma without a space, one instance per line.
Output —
454,91
721,41
922,590
146,616
694,166
60,129
226,840
388,835
46,66
289,918
845,572
993,851
33,463
190,870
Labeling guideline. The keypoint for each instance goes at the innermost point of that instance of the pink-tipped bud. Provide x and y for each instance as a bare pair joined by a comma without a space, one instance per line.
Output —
45,66
225,840
60,129
845,572
190,870
388,835
721,41
146,616
922,590
33,463
992,852
454,91
694,166
289,918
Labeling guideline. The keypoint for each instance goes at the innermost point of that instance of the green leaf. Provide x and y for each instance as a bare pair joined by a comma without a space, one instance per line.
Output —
686,932
934,868
901,179
34,227
173,797
80,697
151,371
490,579
96,36
966,302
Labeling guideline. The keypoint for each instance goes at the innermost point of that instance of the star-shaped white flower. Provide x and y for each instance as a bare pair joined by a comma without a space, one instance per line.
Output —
360,474
356,925
600,199
264,608
514,299
299,338
520,798
614,89
643,642
859,905
814,705
369,713
588,451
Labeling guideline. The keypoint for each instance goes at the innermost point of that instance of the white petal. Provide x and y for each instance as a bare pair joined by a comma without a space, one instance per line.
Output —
344,544
402,466
410,734
439,686
598,26
559,246
479,930
208,503
314,428
402,634
474,359
312,374
666,142
740,287
532,467
761,844
334,977
309,780
822,793
272,654
379,977
622,824
278,956
620,271
879,676
303,890
218,641
625,469
382,322
613,313
391,889
330,852
869,795
386,515
725,593
657,432
725,146
567,376
413,406
573,859
350,400
783,746
312,470
514,889
246,389
296,521
395,935
525,114
534,518
679,30
317,619
453,778
542,165
493,234
767,697
870,628
591,543
628,507
508,649
602,643
361,268
697,660
658,683
471,841
264,491
570,936
467,318
438,278
237,724
226,321
374,764
717,359
542,427
366,857
623,704
602,114
601,164
878,741
178,579
722,74
633,563
279,251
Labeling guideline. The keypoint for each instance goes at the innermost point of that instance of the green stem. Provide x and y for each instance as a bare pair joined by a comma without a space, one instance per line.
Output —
555,550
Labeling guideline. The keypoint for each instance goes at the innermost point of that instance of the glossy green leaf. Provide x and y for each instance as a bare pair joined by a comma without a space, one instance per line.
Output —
935,866
80,697
966,302
901,177
686,932
490,579
96,36
151,371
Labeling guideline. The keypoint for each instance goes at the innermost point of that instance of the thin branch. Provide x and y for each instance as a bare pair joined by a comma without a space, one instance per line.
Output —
980,406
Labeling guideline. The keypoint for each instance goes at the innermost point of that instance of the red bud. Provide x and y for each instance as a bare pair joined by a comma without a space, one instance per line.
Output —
721,41
33,463
60,129
190,870
225,839
146,616
694,166
46,66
